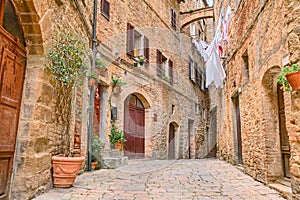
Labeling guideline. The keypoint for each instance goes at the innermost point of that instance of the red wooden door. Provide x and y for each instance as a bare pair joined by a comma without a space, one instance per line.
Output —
134,128
12,69
171,154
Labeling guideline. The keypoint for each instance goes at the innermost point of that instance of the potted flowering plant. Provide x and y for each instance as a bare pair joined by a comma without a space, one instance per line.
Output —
289,77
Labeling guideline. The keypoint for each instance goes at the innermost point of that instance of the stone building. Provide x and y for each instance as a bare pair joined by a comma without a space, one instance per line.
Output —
258,123
162,106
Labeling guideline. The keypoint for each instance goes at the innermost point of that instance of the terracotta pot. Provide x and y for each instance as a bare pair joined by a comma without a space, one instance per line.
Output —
92,82
118,145
94,164
65,170
294,80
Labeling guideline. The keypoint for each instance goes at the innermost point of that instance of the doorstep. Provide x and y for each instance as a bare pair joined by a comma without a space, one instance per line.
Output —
283,186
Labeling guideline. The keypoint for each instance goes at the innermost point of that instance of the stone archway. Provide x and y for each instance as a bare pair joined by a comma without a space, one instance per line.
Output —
194,15
271,123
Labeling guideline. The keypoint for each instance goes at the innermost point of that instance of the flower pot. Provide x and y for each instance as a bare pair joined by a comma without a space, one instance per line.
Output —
294,80
92,81
118,145
142,63
94,164
135,64
65,170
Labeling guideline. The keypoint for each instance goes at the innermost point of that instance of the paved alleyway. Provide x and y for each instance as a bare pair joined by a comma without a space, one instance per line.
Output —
163,179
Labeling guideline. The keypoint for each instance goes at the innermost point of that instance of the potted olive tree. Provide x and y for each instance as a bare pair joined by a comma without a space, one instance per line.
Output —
66,64
289,78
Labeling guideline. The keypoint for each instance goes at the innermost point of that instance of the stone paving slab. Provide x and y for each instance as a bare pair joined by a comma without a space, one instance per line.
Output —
206,179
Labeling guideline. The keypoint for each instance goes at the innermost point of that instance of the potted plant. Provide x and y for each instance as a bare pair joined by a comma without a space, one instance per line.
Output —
66,64
96,149
289,78
93,79
100,63
117,138
116,84
140,59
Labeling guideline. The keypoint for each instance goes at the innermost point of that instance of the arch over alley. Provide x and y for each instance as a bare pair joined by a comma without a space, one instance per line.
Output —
194,15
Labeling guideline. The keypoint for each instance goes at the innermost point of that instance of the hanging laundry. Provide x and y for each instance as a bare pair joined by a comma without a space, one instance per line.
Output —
214,70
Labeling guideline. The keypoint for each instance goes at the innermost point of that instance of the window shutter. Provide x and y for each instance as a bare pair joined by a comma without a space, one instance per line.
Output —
130,40
159,63
196,73
171,70
201,78
146,50
190,68
105,8
174,18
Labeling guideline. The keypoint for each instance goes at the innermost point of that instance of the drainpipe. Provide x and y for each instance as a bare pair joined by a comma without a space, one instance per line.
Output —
92,88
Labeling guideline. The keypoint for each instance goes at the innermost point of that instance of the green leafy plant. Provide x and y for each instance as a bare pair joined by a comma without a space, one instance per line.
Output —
116,136
94,76
100,63
282,78
117,82
66,63
97,145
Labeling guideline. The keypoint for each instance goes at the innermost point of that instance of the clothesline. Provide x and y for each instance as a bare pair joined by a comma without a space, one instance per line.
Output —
213,51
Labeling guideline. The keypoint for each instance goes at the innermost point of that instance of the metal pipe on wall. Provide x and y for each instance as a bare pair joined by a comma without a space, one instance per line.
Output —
92,88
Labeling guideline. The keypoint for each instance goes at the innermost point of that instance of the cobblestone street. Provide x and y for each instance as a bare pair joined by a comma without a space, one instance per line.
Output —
164,179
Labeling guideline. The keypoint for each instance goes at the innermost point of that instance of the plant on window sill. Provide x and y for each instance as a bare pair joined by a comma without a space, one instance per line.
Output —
140,59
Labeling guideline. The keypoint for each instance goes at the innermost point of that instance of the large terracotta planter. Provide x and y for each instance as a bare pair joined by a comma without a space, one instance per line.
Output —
65,170
294,80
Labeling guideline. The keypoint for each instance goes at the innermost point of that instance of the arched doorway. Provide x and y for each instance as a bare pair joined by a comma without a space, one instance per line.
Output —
276,138
171,148
12,70
134,127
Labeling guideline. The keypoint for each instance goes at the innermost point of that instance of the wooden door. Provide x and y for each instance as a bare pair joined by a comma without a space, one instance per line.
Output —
134,128
238,129
12,69
284,138
171,154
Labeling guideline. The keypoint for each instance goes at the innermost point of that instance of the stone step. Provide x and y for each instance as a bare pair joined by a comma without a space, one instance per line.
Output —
283,186
114,162
112,153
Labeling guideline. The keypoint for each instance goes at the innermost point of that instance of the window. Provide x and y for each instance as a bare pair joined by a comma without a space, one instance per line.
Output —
195,73
137,44
245,67
199,4
105,8
164,66
193,30
173,18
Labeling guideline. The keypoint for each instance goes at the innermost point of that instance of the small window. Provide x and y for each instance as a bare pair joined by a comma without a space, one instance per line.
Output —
193,30
164,67
173,18
245,67
137,44
195,73
199,4
105,8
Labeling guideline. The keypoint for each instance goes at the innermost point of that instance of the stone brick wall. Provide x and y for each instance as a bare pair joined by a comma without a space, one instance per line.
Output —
37,137
265,32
